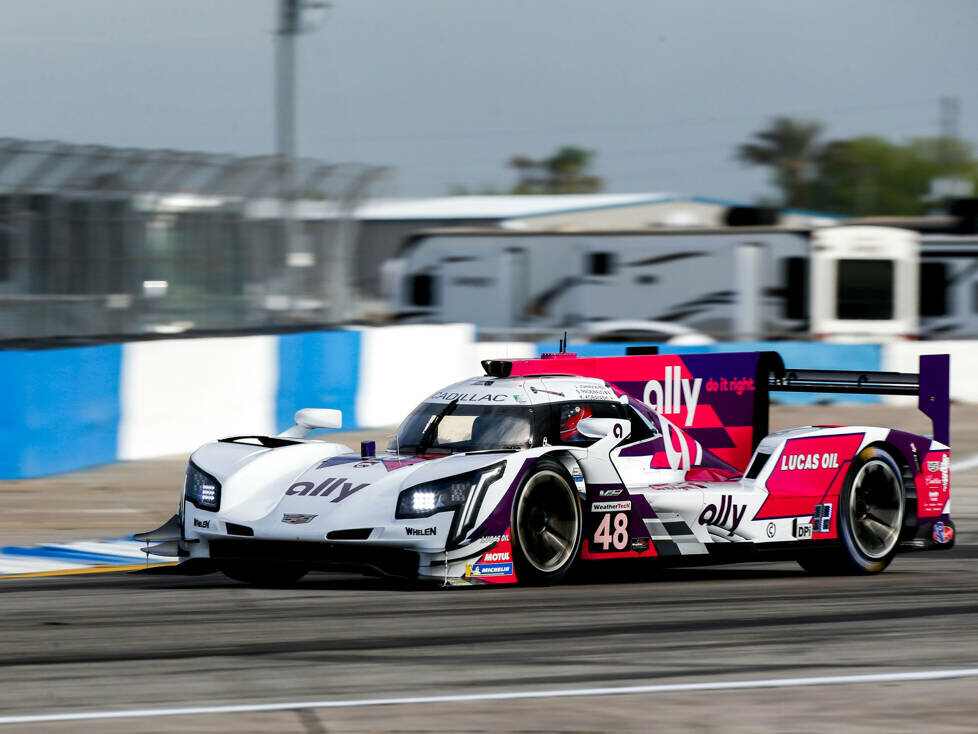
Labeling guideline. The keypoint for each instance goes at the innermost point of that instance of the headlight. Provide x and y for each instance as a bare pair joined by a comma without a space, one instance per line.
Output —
463,492
201,489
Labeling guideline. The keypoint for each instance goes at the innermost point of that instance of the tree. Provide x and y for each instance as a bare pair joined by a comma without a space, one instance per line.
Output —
564,172
861,176
872,176
790,147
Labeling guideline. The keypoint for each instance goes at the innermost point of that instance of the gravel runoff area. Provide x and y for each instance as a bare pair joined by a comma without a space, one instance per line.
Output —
119,499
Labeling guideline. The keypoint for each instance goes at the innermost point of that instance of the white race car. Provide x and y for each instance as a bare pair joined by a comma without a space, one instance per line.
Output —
519,474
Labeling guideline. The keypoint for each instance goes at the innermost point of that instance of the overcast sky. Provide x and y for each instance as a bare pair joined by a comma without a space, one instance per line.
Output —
445,91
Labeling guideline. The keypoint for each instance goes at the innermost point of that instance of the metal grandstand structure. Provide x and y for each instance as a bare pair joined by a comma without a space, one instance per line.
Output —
102,241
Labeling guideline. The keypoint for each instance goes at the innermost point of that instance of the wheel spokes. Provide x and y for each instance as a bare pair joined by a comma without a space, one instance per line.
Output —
555,541
547,520
552,531
878,528
876,508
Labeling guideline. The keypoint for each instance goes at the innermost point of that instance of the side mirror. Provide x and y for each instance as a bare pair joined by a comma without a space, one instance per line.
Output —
604,427
309,419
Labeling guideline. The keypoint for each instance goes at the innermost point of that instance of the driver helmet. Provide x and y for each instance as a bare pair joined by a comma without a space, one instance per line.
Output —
570,416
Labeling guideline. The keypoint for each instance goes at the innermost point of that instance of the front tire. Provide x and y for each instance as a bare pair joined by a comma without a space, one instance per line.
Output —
547,524
870,515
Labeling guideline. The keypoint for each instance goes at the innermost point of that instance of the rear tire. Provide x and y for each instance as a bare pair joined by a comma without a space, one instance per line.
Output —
547,524
870,516
264,574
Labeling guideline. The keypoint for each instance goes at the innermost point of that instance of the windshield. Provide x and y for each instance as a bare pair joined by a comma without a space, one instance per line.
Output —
452,427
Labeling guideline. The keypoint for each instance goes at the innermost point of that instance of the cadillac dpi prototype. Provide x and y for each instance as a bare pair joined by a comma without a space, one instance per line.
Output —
541,464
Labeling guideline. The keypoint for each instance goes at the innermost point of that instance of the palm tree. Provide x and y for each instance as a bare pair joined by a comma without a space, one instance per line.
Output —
564,172
790,147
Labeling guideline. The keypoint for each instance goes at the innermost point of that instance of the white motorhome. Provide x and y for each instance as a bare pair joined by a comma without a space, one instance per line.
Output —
948,286
746,282
864,282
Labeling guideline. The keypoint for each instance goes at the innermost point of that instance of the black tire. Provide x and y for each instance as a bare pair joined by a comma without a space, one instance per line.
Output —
870,516
547,524
264,574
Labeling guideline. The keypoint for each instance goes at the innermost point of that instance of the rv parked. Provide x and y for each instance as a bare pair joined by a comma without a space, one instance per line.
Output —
734,283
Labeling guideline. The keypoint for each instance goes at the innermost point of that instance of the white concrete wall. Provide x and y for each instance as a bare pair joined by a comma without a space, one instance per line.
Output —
176,395
502,350
905,356
402,365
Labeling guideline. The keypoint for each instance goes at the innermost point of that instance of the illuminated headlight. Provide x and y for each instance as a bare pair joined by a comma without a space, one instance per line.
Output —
423,501
201,489
463,492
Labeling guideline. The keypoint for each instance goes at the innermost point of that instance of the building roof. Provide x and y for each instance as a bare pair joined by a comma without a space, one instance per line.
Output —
498,207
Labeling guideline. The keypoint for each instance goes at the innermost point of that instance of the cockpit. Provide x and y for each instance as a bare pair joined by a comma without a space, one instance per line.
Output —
454,427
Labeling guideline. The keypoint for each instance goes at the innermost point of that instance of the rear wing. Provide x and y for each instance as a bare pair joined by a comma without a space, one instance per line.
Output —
723,399
931,385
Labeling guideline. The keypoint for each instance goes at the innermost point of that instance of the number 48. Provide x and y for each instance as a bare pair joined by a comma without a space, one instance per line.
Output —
609,537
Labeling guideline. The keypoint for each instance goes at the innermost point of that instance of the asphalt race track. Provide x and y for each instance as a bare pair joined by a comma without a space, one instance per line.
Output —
126,642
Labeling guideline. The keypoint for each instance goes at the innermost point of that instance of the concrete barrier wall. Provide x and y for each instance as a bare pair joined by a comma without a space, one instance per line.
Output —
402,365
317,370
180,393
59,409
65,409
904,356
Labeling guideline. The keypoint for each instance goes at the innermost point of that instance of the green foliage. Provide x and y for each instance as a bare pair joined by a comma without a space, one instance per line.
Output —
869,175
857,177
564,172
463,190
789,146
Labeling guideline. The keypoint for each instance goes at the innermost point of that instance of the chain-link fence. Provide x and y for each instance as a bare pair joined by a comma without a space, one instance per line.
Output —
98,241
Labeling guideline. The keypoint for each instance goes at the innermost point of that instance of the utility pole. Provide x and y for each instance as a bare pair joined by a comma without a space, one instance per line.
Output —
950,118
949,184
291,22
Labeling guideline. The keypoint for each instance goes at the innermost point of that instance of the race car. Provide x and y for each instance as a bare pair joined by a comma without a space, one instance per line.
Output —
539,465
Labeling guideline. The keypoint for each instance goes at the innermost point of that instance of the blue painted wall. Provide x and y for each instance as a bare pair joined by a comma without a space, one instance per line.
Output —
59,409
318,370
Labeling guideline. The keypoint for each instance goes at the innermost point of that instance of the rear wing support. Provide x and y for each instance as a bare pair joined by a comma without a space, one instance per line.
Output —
931,385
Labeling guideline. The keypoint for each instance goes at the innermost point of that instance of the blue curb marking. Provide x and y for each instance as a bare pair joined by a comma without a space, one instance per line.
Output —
67,554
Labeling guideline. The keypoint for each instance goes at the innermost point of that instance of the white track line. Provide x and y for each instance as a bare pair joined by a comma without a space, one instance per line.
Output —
970,463
505,696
